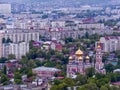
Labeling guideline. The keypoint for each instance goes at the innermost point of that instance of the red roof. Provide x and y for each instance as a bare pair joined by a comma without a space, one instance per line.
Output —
115,83
58,46
60,77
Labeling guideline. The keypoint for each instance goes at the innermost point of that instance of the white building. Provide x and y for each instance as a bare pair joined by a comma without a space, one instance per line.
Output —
5,8
1,36
17,49
90,26
110,43
58,23
22,36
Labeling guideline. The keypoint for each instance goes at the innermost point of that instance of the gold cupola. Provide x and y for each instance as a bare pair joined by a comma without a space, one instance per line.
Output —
70,58
78,53
98,45
80,58
87,58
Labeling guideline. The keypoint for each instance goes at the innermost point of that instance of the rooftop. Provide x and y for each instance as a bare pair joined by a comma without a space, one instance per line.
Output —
46,69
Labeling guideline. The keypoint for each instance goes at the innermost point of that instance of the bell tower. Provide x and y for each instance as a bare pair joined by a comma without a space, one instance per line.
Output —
99,65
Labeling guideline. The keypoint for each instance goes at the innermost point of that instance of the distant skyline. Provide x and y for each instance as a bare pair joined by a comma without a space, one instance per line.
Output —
82,2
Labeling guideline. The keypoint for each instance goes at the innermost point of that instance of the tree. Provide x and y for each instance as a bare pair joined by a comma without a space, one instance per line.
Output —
31,64
3,40
8,40
90,72
61,86
102,81
103,88
55,87
90,86
87,35
17,75
30,74
69,81
57,82
11,56
5,70
18,78
99,75
24,61
81,79
32,53
109,67
18,81
4,79
3,60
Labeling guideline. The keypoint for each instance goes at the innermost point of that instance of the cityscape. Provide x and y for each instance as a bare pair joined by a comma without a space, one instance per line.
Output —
59,44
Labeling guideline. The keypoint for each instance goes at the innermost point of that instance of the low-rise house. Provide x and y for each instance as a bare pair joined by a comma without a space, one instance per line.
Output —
46,71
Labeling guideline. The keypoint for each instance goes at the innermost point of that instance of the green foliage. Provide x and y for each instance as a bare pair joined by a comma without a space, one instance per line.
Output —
87,35
57,82
109,67
11,56
3,40
3,60
18,78
62,86
114,77
8,40
90,86
99,75
81,79
69,81
4,79
18,81
102,82
17,75
103,88
30,73
90,72
5,70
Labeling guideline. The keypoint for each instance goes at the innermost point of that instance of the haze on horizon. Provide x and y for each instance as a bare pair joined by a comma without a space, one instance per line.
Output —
74,1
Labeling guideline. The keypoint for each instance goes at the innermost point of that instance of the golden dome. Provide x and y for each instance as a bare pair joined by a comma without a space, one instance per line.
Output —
98,46
80,58
87,58
70,58
78,53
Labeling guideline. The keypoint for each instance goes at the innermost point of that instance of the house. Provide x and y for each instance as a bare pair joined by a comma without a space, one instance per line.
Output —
46,71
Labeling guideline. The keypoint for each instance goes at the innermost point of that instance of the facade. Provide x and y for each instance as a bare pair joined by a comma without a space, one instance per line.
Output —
99,65
90,26
17,49
1,45
46,71
110,43
78,65
19,36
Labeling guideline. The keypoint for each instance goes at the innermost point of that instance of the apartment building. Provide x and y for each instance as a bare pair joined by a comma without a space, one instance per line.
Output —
110,43
17,49
90,26
20,35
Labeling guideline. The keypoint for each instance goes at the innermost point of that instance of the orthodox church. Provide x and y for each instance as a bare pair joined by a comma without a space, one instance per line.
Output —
79,62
